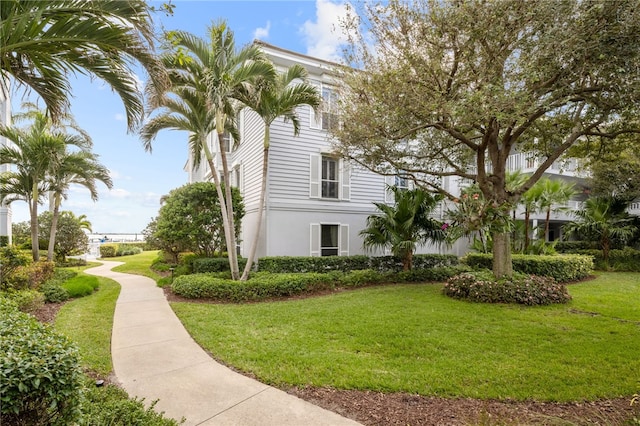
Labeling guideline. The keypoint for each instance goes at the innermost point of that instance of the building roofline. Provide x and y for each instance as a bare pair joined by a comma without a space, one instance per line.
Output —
313,64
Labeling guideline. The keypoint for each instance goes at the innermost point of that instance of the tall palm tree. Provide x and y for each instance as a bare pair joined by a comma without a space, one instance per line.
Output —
604,219
270,100
405,225
226,73
553,192
79,168
43,42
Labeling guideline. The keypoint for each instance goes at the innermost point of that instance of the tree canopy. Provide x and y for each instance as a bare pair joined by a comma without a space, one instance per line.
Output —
450,88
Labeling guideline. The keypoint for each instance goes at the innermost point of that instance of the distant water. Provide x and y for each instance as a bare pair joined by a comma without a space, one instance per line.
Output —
115,238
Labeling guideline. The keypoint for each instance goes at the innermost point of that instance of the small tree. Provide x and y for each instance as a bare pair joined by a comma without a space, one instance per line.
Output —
190,219
404,226
70,236
603,219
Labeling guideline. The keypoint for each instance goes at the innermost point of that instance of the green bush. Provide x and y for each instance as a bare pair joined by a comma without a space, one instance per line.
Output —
289,264
40,377
215,264
435,274
11,259
625,260
574,246
110,405
481,286
562,268
27,301
362,277
258,287
127,249
108,250
54,293
80,286
31,276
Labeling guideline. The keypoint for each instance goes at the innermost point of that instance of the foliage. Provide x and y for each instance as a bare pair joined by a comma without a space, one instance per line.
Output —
31,276
70,236
110,405
404,226
27,301
190,219
21,233
287,264
627,259
11,259
40,379
572,246
54,292
214,264
108,250
259,287
562,268
605,220
100,39
127,250
81,285
524,289
441,89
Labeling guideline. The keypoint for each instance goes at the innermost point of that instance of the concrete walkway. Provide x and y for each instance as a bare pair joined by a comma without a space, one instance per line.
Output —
156,359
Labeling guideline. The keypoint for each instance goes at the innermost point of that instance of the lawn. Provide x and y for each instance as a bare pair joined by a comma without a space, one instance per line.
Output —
411,338
137,264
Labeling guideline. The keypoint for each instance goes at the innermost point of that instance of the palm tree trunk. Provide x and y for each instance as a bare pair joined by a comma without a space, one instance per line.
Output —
261,206
231,246
526,229
546,225
33,211
54,226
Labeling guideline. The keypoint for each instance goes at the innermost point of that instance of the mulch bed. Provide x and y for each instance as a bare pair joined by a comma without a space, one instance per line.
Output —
401,409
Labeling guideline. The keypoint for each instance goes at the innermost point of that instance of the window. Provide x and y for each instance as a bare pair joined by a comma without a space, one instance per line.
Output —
329,240
226,142
327,119
400,181
329,178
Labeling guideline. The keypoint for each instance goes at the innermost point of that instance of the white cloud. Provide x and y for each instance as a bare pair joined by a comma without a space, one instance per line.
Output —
262,33
324,37
119,117
119,193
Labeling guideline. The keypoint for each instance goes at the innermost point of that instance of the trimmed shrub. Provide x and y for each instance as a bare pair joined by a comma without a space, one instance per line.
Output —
108,250
362,277
110,405
288,264
127,249
562,268
215,264
54,293
27,301
40,377
436,274
32,276
625,260
573,246
80,286
259,287
481,286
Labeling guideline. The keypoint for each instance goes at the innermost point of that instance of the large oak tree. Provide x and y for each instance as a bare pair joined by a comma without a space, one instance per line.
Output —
453,88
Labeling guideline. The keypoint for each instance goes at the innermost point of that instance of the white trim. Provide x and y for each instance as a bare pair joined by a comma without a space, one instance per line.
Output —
314,239
343,240
315,167
345,180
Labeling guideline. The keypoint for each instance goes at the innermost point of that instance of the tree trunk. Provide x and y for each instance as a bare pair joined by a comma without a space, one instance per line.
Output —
526,230
546,225
502,263
33,211
407,262
606,247
261,206
231,246
54,226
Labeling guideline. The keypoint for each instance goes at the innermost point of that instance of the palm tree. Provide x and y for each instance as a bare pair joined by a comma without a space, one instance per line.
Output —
207,79
531,202
43,42
79,168
552,193
604,219
84,223
405,225
273,99
33,152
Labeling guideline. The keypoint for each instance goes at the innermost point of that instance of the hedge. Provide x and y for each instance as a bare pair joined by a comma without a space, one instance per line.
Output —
562,268
40,377
108,250
215,264
625,260
288,264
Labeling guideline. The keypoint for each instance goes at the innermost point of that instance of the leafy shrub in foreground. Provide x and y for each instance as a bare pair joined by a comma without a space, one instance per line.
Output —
40,377
31,276
481,286
562,268
26,300
54,293
110,405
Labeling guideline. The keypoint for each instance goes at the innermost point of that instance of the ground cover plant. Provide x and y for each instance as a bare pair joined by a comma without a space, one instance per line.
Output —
411,338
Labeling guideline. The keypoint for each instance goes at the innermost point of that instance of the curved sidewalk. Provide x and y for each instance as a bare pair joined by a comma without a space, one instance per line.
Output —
155,358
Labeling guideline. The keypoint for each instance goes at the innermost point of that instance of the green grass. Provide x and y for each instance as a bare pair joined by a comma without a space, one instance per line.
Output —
81,285
411,338
137,264
88,321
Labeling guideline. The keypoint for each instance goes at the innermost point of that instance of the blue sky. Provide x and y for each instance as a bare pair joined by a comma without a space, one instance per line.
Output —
140,178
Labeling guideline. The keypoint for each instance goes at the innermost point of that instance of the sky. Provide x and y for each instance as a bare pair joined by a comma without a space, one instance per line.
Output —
140,178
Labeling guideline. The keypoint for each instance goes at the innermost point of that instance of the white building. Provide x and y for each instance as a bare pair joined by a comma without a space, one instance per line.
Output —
317,203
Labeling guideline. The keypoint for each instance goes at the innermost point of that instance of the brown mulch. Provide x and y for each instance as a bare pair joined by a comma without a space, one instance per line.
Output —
401,409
